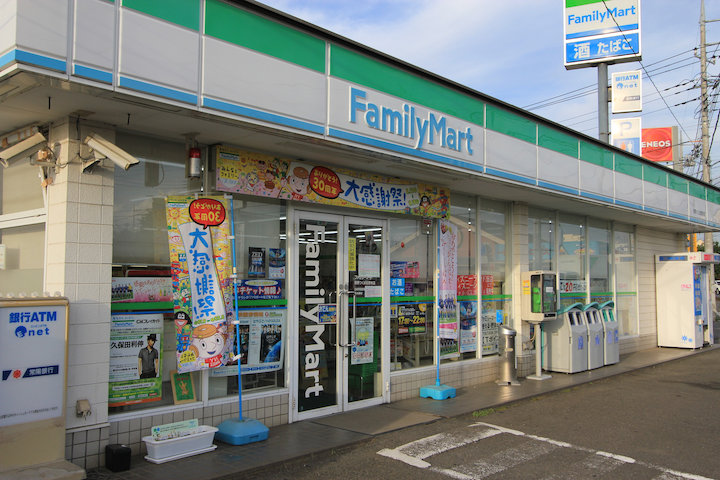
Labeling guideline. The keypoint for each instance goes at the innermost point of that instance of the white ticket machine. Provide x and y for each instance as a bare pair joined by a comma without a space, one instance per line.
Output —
684,305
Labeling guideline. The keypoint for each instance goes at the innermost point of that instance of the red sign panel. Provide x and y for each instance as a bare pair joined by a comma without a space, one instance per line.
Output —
657,145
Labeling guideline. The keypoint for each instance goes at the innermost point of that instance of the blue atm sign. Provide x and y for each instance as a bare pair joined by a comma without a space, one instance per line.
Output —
598,31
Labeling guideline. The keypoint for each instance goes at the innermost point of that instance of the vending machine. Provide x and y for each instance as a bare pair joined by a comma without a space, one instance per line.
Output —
684,305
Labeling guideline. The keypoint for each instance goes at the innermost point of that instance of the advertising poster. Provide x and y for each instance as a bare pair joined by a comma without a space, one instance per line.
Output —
141,289
261,289
362,349
267,176
32,360
276,261
447,289
201,265
490,336
412,319
135,359
262,339
405,269
468,326
256,262
467,285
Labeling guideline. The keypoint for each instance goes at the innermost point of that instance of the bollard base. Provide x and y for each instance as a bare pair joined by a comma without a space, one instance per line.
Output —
437,392
513,383
539,377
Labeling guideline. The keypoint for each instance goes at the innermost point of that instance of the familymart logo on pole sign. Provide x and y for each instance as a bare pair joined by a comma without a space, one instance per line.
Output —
601,31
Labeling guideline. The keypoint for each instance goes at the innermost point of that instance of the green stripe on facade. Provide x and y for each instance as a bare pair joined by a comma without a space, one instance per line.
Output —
697,191
507,123
557,141
136,306
467,298
654,175
412,299
596,155
357,68
579,3
713,196
628,166
262,303
234,25
179,12
491,298
677,183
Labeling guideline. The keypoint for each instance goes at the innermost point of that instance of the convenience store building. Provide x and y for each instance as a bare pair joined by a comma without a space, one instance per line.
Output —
342,164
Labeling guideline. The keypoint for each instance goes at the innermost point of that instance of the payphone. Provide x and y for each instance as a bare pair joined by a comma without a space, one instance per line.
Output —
538,304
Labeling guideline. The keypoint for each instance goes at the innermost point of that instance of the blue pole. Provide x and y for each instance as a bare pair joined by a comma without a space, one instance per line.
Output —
235,306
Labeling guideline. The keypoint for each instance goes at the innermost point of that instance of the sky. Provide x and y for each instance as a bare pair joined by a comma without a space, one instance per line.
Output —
513,50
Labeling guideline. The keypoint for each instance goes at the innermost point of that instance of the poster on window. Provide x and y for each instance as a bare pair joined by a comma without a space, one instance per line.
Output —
136,347
261,339
447,289
411,319
468,326
256,262
362,341
199,238
141,289
276,263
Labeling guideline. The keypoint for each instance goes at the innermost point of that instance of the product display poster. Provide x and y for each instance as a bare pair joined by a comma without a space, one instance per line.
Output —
256,262
368,265
412,319
262,336
276,260
136,346
362,349
32,361
200,261
447,288
468,326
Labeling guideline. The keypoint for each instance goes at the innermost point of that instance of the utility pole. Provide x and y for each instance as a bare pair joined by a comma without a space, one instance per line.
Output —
704,106
603,130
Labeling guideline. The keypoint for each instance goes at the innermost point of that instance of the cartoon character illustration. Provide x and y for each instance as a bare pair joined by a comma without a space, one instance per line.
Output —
298,183
208,344
183,329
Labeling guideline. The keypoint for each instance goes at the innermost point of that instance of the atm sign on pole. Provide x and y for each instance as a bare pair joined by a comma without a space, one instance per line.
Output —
627,91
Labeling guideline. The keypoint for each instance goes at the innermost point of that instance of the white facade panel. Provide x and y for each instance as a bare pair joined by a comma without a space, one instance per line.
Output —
558,168
158,52
8,19
42,26
94,42
391,120
677,202
241,76
628,189
655,196
698,208
713,212
510,154
596,179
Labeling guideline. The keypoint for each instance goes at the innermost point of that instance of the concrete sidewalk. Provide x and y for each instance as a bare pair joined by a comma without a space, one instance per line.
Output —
313,437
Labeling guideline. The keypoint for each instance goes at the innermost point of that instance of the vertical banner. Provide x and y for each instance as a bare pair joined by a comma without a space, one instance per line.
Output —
447,289
136,346
200,258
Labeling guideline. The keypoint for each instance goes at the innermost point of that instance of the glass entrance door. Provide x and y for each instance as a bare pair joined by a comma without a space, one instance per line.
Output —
341,291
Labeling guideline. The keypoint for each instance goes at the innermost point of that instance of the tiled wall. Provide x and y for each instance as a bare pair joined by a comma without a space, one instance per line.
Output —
86,448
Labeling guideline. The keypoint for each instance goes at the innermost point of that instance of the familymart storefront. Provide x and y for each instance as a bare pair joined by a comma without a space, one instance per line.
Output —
382,216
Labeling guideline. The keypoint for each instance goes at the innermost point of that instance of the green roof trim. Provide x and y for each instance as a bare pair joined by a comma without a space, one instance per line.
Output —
180,12
697,190
678,184
628,166
580,3
238,26
713,196
363,70
508,123
595,154
558,141
655,175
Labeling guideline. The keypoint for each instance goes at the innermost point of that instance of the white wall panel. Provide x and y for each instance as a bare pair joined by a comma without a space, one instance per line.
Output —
677,202
628,188
510,154
655,196
698,208
596,179
158,52
238,75
558,168
42,26
8,21
714,212
94,35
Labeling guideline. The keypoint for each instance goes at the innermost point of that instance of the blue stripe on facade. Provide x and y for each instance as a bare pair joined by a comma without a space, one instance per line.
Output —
677,215
601,31
22,56
655,210
334,132
559,188
628,204
264,116
595,196
158,90
93,73
510,176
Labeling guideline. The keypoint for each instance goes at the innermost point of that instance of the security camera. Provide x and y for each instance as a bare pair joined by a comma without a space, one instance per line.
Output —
105,149
23,149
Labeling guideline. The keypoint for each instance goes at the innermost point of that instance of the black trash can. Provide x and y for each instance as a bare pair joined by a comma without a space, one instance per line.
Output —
117,457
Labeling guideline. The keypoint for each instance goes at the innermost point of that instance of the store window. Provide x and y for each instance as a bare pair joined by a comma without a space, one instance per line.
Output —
412,259
541,240
495,289
601,289
571,260
625,280
22,229
463,215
